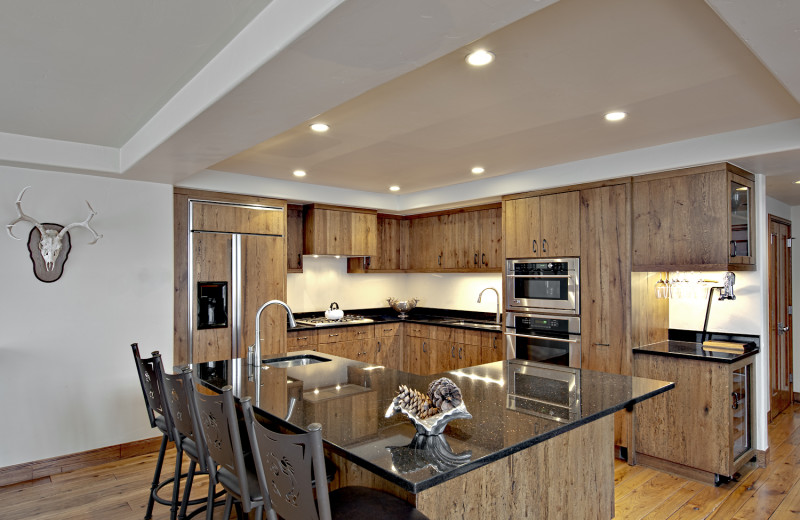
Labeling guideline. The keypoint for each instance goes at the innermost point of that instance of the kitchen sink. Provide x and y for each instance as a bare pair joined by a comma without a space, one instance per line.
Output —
294,361
476,324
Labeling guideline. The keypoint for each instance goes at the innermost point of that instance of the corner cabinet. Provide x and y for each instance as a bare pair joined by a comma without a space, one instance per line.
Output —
703,428
694,219
544,226
334,230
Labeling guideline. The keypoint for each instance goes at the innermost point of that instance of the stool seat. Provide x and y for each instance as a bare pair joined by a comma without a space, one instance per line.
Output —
362,503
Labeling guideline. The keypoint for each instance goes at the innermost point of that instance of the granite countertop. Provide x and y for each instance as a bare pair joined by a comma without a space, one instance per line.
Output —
470,320
349,398
694,350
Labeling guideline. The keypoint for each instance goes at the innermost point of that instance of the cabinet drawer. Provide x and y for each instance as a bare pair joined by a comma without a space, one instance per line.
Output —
365,332
416,330
301,338
387,329
332,335
448,334
492,340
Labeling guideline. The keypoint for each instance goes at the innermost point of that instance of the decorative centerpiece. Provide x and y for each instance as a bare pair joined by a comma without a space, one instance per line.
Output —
430,412
402,306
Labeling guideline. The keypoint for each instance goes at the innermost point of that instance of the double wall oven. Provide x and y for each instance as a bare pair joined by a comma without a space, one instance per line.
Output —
542,310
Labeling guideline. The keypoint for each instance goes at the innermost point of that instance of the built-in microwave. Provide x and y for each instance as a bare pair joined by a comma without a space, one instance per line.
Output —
543,285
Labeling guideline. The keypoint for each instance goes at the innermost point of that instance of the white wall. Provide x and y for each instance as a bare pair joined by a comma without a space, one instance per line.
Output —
325,280
68,379
742,315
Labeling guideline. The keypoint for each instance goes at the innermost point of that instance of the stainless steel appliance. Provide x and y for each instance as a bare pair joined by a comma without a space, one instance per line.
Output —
544,338
543,285
544,390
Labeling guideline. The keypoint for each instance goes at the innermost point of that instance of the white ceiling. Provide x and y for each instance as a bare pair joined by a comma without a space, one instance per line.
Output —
219,95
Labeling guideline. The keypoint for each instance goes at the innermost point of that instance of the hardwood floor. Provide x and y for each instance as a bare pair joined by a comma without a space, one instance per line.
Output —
119,490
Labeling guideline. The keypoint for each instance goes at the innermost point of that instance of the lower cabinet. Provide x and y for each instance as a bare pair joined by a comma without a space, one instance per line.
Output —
703,427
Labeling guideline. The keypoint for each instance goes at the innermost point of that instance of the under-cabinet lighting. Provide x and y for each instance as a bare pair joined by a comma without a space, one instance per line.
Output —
320,127
480,58
478,170
377,367
615,116
316,391
299,173
743,188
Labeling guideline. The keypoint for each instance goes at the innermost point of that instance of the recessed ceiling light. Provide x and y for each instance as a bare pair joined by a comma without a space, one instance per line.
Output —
320,127
615,116
394,188
299,173
480,58
478,170
797,182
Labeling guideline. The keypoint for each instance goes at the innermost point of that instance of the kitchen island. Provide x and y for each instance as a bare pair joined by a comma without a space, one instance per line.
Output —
539,445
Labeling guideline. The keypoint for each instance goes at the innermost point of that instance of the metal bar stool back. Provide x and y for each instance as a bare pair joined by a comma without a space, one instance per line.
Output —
219,422
285,464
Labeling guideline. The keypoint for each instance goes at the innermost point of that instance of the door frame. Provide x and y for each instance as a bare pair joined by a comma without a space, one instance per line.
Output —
773,312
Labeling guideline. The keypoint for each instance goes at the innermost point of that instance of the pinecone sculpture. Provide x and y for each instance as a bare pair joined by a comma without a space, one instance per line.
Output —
444,394
415,402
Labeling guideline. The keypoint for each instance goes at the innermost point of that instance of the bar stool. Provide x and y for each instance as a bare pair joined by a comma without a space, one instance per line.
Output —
292,460
179,396
150,372
219,423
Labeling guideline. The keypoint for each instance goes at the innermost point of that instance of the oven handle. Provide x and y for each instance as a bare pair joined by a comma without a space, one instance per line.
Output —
550,338
539,276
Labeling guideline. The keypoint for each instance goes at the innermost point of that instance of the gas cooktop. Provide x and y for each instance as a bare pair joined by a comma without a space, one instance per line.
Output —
322,321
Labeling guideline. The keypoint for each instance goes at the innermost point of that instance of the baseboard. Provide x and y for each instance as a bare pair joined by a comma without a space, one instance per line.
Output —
762,458
674,468
796,397
46,467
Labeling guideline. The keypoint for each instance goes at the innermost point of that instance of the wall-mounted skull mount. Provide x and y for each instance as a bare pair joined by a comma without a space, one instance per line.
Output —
51,240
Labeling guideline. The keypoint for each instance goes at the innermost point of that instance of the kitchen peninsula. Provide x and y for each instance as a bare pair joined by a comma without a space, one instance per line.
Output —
539,445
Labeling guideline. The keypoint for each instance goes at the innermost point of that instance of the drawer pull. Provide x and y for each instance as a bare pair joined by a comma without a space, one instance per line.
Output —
332,335
601,345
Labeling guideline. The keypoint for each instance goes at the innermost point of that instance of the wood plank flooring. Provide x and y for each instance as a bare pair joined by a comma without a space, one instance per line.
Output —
118,490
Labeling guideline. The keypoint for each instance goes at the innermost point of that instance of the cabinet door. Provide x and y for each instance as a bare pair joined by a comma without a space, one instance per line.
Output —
425,244
392,244
741,236
491,347
388,352
521,227
605,280
490,252
560,225
211,253
294,239
467,355
263,267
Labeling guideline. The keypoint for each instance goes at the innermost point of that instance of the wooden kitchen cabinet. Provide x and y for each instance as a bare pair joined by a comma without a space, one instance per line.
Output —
294,238
334,230
392,252
301,340
492,347
703,427
389,345
542,226
698,218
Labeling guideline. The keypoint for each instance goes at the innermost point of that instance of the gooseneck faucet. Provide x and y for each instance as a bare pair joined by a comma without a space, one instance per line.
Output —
257,347
497,315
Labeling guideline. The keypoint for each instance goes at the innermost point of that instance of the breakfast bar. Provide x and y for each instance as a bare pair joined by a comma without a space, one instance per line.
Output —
539,443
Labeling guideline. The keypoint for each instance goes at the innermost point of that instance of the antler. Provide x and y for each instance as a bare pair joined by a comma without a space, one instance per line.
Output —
85,224
23,217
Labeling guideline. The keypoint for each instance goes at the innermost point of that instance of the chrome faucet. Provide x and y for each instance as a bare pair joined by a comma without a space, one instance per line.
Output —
497,315
256,360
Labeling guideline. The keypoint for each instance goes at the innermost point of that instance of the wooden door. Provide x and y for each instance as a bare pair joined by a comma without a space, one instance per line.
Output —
211,262
521,227
560,225
263,264
780,321
491,243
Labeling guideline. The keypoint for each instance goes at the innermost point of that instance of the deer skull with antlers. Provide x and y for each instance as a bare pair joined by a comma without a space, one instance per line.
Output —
51,240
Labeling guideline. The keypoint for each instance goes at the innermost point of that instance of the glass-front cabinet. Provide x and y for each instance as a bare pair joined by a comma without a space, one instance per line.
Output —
741,219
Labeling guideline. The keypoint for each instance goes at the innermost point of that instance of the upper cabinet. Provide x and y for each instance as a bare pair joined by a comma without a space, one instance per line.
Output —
542,226
294,238
694,219
334,230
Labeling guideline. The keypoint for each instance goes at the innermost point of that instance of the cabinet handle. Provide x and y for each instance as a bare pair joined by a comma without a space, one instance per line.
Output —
387,330
332,335
424,344
733,243
361,332
440,259
534,246
459,352
736,398
544,245
379,346
483,259
494,342
453,352
300,260
601,345
475,260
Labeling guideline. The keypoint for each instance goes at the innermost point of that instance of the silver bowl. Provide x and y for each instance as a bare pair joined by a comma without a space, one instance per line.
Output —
402,306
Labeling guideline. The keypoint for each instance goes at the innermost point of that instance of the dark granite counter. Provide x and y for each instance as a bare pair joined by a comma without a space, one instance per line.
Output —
426,316
692,350
514,405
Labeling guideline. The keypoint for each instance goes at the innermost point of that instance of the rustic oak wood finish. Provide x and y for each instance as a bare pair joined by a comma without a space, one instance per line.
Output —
682,220
546,226
333,230
688,430
294,238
